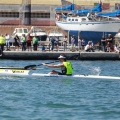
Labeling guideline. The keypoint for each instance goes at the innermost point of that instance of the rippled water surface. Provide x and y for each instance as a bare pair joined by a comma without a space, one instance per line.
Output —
40,98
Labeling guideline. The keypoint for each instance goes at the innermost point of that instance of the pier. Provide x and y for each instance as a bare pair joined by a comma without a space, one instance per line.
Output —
38,55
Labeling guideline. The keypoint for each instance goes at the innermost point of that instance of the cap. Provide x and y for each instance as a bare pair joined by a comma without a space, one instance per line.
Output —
61,57
89,42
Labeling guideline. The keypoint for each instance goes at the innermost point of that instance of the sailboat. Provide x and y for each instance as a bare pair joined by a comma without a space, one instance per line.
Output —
89,26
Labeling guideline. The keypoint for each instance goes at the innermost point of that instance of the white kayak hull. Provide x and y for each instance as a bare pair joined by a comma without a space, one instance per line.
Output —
77,76
8,72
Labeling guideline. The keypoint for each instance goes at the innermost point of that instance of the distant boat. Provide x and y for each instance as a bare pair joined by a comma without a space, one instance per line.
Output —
42,35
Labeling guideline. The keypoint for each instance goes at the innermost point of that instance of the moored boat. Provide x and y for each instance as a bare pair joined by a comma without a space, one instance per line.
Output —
90,30
90,24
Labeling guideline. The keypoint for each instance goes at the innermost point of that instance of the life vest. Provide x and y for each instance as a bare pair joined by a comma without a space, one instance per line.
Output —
68,66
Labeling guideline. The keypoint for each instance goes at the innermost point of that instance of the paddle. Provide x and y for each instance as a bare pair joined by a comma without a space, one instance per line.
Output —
33,66
74,57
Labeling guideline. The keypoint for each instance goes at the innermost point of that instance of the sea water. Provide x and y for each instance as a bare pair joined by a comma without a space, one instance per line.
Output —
44,98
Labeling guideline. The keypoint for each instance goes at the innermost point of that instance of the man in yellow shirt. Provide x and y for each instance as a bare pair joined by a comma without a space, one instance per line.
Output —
2,42
66,66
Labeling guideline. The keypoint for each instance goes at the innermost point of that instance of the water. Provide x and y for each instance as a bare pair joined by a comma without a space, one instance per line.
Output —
38,98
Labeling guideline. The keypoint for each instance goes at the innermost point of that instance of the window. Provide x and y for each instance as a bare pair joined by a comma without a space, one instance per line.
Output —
83,19
25,31
9,14
40,15
27,15
19,31
76,19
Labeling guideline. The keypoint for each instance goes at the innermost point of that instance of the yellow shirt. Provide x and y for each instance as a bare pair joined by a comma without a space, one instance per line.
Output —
2,40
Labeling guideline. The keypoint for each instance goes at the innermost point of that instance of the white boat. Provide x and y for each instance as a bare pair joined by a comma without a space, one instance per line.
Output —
90,24
90,30
15,72
37,31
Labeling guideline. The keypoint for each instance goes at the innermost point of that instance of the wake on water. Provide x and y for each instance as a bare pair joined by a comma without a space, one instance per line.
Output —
90,69
95,70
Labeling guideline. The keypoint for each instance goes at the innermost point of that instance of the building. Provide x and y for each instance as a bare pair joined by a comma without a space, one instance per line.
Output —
37,12
34,12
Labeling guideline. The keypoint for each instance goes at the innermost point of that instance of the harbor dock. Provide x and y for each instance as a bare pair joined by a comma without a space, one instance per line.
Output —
38,55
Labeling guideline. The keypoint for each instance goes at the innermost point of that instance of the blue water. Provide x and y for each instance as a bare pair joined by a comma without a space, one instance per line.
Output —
38,98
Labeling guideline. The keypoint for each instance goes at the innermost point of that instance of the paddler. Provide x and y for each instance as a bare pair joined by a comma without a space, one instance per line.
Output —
66,66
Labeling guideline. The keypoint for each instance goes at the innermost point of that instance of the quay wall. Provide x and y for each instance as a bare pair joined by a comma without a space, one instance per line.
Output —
37,55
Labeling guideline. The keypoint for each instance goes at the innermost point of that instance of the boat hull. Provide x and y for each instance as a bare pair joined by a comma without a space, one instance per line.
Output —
90,30
14,72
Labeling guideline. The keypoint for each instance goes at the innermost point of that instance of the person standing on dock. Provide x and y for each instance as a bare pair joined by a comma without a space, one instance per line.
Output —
29,40
66,66
35,43
57,44
2,42
7,38
73,42
110,40
23,40
83,43
52,40
65,39
103,43
16,42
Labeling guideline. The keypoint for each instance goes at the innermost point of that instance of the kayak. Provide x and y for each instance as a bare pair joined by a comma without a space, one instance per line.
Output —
15,72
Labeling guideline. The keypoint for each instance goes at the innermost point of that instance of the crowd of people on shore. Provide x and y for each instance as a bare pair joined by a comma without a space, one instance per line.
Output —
105,44
108,44
24,42
31,43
